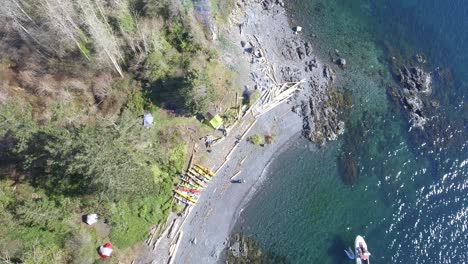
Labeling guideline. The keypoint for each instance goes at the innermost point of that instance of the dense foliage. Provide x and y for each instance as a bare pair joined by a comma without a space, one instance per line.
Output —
77,76
119,169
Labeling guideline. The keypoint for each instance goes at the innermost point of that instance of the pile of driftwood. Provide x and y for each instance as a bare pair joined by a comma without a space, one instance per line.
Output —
275,92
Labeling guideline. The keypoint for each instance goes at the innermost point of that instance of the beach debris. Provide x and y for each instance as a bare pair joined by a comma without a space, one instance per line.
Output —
173,228
297,29
269,139
238,181
174,247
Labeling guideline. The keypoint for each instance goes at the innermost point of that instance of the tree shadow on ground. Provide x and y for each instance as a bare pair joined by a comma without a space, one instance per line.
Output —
48,162
167,94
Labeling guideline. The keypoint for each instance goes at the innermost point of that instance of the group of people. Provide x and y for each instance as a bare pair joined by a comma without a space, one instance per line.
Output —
363,253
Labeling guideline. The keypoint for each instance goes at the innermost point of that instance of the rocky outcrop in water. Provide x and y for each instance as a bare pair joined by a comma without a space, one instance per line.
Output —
415,85
284,58
319,111
243,249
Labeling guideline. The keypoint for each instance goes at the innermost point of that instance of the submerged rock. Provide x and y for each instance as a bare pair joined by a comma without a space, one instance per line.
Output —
412,94
348,168
243,249
415,84
415,79
341,62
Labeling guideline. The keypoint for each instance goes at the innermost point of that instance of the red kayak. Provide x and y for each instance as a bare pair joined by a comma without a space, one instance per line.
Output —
188,190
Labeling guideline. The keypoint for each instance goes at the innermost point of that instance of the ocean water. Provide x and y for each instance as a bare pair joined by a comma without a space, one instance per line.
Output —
409,198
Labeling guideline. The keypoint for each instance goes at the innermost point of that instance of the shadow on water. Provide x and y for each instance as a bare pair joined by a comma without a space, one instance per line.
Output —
336,250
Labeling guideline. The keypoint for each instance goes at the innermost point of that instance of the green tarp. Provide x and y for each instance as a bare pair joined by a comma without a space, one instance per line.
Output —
216,122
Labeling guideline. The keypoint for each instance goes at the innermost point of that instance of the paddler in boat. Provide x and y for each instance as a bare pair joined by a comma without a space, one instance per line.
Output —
362,252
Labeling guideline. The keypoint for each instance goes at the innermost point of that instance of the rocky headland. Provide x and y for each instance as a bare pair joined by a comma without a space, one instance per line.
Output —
291,59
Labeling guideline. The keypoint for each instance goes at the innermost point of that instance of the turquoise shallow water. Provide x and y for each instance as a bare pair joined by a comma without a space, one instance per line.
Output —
410,200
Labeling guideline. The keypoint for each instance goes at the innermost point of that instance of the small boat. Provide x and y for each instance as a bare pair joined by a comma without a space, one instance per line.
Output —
188,190
187,181
206,170
198,176
183,200
193,195
200,172
362,254
183,195
199,182
197,171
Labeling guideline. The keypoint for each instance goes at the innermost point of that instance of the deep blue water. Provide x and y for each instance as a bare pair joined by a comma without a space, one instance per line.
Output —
410,200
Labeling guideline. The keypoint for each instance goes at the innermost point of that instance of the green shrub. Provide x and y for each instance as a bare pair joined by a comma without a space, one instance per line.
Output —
180,37
256,139
139,103
127,22
230,116
82,246
198,91
131,221
162,61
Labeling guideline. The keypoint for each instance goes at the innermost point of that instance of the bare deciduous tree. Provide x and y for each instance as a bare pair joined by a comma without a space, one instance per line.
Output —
59,26
104,40
61,18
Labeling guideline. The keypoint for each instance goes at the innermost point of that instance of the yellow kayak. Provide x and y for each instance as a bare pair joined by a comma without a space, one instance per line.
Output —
183,195
202,178
185,201
206,170
200,183
201,172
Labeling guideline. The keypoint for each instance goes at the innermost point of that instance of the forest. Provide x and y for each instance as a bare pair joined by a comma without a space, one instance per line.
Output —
76,78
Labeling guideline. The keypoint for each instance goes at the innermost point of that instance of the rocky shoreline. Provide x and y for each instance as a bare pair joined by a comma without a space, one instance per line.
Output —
270,56
293,58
